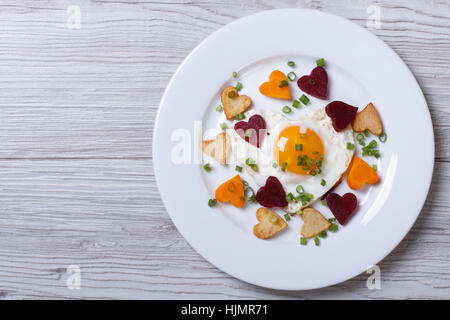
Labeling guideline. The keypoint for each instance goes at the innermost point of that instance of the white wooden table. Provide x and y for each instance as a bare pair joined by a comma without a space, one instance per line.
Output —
76,178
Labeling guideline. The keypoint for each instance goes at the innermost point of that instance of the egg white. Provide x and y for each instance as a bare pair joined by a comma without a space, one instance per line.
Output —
336,158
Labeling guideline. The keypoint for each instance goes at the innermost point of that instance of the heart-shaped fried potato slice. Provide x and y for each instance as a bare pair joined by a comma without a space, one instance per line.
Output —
218,148
233,103
314,223
368,119
270,223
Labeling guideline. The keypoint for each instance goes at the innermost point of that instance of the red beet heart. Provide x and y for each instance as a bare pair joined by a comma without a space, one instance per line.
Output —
342,207
316,84
272,194
257,127
341,114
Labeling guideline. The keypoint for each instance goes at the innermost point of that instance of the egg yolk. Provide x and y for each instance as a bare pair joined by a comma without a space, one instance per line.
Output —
299,152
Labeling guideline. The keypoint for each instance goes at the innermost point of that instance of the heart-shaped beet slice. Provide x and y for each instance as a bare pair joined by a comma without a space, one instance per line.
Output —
272,194
342,207
253,130
341,114
316,84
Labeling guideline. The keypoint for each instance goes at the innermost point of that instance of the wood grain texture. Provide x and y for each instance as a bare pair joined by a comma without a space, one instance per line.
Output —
77,183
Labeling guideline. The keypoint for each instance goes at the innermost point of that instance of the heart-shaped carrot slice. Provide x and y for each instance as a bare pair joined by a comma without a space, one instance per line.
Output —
277,86
232,191
360,173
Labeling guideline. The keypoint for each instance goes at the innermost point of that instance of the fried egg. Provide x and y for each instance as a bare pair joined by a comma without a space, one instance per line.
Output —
306,154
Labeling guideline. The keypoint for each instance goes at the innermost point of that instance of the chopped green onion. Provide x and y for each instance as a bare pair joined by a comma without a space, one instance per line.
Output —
248,133
324,202
283,168
238,168
291,63
291,76
319,163
382,137
304,99
286,109
375,167
224,126
287,217
350,146
296,104
252,164
240,116
252,198
238,86
313,173
323,234
231,94
316,241
212,202
332,219
372,144
370,150
245,183
299,212
320,62
298,146
274,165
273,218
231,187
373,152
315,152
219,108
249,161
366,133
207,167
323,183
305,198
360,137
333,228
289,197
235,74
283,84
303,241
300,189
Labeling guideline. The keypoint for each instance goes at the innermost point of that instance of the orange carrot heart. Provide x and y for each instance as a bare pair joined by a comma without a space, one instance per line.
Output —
277,86
360,173
232,191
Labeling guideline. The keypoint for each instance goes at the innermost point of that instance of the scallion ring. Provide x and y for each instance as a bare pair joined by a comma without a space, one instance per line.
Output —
382,137
292,76
286,109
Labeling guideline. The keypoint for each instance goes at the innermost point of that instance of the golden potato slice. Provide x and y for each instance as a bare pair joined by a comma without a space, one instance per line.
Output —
233,103
218,148
368,119
314,223
270,223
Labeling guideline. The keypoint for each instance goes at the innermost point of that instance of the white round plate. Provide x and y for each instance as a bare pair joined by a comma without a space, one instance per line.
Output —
361,69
